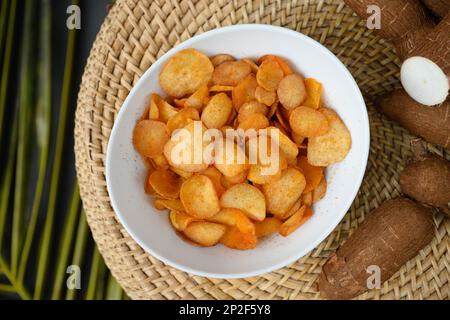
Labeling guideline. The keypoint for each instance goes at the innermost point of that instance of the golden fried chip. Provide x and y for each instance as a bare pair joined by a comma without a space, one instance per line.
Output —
171,204
252,65
182,119
312,174
266,97
149,138
166,183
291,91
269,75
295,221
281,62
236,239
198,99
247,198
218,88
320,191
180,220
230,161
331,147
284,192
267,227
314,92
244,91
308,122
217,111
230,73
153,109
199,197
234,218
181,150
205,233
220,58
215,175
251,107
185,72
254,121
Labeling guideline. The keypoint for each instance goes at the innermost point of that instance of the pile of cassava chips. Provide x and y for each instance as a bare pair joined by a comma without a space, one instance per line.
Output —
238,148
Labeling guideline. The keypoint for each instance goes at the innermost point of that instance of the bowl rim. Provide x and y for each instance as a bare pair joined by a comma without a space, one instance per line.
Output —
325,232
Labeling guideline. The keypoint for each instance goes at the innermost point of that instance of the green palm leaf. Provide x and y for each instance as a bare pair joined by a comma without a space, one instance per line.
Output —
34,251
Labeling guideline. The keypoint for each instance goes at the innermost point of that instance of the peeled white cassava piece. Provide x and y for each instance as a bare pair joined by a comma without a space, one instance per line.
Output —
424,81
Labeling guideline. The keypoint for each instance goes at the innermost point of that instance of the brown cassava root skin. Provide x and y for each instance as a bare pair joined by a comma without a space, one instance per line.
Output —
408,25
398,17
431,43
427,180
391,235
439,7
430,123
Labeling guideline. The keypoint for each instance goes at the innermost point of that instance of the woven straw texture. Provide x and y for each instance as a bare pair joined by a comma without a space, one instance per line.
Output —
134,35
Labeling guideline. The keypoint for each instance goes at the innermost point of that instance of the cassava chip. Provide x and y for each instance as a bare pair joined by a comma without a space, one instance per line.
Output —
234,218
153,109
218,88
269,75
215,175
244,91
166,111
199,197
166,183
236,239
185,72
230,159
160,162
295,221
232,180
281,62
287,146
180,220
267,227
250,108
220,58
205,233
185,150
247,198
308,122
252,65
254,121
198,98
307,199
171,204
230,73
182,119
314,92
149,137
217,111
182,173
264,96
320,191
282,193
313,174
331,147
291,91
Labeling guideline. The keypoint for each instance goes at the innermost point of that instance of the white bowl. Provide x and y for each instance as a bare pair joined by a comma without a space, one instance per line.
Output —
125,171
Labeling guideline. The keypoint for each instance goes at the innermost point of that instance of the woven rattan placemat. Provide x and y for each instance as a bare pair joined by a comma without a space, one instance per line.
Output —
134,35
